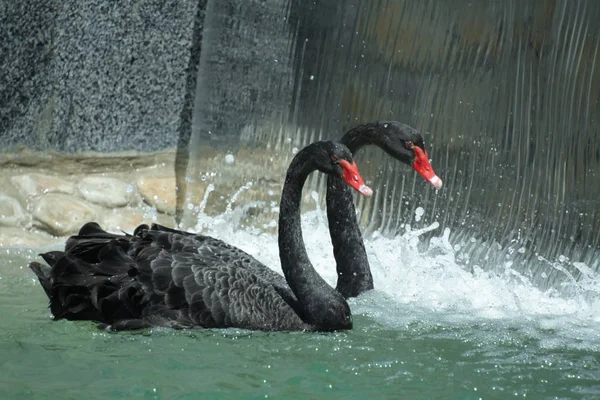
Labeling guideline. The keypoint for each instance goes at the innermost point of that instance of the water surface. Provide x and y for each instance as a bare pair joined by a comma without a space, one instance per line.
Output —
434,329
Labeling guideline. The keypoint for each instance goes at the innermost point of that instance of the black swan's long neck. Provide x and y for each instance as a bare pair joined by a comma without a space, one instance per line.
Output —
363,135
354,272
322,306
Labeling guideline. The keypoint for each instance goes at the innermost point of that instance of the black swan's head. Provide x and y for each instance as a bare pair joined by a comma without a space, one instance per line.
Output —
400,141
336,159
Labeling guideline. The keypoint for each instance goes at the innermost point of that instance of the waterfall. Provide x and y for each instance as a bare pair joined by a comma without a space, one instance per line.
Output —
506,95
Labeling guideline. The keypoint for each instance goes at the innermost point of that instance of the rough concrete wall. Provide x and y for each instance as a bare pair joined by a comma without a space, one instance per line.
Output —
97,76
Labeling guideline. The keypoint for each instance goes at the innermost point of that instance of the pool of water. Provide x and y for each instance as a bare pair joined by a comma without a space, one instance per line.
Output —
432,330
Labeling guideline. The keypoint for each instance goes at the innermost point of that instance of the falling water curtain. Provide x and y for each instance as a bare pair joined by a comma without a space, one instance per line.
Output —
505,91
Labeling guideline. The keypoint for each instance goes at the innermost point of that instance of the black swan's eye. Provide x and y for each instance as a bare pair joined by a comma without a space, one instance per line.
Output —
333,158
409,144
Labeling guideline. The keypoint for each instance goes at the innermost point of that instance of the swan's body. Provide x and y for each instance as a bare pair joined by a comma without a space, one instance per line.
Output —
163,277
401,142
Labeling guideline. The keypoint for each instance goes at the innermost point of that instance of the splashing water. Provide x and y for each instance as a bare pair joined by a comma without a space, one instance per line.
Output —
417,281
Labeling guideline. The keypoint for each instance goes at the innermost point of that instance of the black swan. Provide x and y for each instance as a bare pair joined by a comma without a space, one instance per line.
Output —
163,277
404,144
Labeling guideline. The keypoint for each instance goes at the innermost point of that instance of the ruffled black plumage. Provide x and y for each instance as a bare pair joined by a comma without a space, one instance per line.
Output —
163,277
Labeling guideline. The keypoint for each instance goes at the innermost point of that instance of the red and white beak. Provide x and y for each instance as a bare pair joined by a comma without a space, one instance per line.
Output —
353,178
423,167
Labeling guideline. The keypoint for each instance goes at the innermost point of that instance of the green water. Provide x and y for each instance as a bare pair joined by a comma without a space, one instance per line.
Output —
427,354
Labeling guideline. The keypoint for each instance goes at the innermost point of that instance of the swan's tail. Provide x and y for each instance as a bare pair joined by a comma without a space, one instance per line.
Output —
93,279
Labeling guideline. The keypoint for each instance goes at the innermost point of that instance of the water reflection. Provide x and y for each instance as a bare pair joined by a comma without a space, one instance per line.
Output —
506,93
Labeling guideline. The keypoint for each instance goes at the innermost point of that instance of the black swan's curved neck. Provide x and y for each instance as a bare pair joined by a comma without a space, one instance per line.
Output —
323,307
352,264
363,135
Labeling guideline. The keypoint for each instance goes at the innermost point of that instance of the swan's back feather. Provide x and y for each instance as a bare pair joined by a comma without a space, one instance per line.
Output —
160,276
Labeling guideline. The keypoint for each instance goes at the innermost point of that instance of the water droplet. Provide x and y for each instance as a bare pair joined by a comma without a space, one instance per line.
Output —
419,211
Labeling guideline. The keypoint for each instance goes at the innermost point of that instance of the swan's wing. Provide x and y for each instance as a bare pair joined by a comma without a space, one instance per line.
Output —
227,252
216,251
213,248
210,283
226,296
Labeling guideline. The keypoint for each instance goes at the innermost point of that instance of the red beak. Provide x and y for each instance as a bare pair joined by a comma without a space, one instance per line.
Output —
423,167
353,178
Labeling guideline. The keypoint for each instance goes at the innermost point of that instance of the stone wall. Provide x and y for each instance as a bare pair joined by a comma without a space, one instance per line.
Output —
44,199
44,202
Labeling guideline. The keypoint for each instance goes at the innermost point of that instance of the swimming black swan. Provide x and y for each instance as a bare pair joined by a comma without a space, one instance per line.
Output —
163,277
404,144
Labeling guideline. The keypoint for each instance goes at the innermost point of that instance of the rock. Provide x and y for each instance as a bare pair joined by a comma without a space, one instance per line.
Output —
61,214
13,237
108,192
11,212
158,192
123,219
37,184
